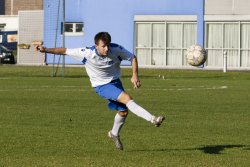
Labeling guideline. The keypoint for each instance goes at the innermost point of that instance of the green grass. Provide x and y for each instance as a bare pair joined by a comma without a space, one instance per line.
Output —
60,121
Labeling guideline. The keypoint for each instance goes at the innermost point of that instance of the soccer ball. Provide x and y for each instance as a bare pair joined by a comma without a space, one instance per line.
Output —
196,55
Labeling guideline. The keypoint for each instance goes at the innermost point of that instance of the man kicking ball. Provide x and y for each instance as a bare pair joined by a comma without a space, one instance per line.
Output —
102,62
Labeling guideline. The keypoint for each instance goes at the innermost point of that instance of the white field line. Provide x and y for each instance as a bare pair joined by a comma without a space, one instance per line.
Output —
78,89
4,78
44,90
58,90
65,86
185,89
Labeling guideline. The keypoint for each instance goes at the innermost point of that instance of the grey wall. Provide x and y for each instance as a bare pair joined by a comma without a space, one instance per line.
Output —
227,7
30,29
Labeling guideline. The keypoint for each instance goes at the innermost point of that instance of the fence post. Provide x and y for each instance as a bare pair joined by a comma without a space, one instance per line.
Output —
225,61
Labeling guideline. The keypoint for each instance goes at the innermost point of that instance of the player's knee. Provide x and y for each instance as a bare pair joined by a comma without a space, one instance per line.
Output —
123,113
124,98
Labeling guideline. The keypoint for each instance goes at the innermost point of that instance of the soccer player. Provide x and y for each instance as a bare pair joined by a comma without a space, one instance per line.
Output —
102,62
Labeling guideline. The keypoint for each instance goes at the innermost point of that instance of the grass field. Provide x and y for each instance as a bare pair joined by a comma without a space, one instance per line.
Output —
60,121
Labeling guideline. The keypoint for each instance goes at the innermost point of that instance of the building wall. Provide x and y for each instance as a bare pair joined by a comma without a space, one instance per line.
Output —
13,6
227,7
227,25
30,30
10,21
114,16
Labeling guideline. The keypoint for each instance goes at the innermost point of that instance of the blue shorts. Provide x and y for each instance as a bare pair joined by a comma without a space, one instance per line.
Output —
111,92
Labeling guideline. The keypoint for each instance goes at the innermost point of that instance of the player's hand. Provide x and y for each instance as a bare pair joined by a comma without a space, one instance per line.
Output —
135,81
40,48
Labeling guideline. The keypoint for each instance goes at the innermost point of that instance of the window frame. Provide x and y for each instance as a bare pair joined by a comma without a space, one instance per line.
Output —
74,32
166,48
223,20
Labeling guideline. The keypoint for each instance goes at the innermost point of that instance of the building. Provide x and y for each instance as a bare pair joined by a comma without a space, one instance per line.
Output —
9,12
18,20
11,7
30,30
227,28
158,31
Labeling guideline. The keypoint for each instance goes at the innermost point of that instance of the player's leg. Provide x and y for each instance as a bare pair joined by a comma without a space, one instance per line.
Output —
114,91
111,91
119,121
138,110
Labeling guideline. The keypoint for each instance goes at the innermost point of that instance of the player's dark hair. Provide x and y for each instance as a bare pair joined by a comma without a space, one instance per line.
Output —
104,36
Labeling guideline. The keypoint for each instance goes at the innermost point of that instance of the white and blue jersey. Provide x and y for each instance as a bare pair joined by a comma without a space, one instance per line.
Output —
101,69
104,71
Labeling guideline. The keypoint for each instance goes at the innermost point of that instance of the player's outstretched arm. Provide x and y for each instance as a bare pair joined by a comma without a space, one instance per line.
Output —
135,79
59,51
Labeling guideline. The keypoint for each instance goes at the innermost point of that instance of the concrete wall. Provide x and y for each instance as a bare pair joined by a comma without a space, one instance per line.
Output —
227,7
30,29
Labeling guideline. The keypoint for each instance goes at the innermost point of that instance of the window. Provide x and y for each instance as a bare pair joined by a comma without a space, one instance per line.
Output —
73,28
164,43
232,37
11,38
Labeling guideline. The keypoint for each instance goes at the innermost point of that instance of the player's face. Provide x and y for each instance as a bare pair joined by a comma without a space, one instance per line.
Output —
102,48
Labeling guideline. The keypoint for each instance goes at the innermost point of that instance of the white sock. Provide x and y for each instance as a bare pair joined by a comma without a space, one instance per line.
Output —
118,123
139,111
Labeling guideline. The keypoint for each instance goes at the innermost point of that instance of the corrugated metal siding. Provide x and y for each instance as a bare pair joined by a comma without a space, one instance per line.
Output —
30,29
227,7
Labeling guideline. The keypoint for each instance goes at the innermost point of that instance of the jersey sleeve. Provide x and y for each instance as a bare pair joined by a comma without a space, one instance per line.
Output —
125,54
78,53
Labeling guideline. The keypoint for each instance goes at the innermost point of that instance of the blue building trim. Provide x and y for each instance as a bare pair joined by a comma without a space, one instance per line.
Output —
114,16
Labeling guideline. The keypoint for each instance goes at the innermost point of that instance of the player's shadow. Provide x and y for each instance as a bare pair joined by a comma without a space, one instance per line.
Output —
217,149
209,149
